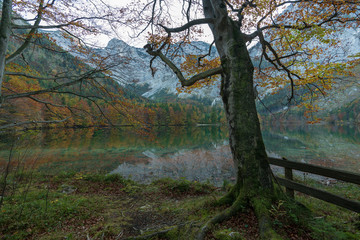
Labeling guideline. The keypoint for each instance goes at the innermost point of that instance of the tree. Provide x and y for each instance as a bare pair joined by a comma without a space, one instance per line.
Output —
33,68
284,29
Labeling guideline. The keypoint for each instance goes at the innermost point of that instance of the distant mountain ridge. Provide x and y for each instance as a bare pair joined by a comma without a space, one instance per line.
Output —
133,69
164,80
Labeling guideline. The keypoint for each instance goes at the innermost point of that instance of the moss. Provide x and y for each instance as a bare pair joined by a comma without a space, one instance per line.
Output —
183,186
41,210
262,205
228,234
106,178
48,214
108,230
132,189
173,233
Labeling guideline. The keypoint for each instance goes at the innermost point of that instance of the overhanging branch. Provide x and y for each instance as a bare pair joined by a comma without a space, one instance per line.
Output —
176,70
188,25
52,89
29,35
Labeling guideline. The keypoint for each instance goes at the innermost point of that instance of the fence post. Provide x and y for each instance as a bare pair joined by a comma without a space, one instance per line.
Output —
289,176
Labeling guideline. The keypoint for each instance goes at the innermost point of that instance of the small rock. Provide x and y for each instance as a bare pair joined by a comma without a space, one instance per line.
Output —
67,189
145,207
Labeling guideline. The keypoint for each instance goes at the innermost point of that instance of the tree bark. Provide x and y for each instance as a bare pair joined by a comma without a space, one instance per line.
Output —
237,92
5,28
254,183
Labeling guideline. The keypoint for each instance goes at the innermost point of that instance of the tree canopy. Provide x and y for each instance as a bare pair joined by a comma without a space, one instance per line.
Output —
296,41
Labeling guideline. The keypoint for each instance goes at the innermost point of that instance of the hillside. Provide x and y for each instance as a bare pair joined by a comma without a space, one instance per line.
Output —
100,101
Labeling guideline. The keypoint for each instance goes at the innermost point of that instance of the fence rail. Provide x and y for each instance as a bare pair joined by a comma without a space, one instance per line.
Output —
290,185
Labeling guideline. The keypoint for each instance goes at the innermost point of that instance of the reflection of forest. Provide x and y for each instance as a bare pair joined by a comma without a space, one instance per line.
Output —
93,149
104,150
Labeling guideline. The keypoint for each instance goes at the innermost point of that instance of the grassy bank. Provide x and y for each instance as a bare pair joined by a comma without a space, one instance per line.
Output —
98,206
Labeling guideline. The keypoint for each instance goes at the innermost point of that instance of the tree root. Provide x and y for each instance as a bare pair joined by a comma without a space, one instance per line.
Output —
155,234
160,233
237,206
261,207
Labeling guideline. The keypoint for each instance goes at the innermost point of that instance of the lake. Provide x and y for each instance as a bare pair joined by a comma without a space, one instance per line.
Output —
196,153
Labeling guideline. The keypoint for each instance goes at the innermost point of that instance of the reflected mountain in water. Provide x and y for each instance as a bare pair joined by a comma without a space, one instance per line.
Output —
214,165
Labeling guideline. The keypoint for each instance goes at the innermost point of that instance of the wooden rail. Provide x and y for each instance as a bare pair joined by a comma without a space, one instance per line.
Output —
290,185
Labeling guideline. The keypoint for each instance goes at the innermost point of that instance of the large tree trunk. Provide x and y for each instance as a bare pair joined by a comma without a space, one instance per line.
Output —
254,184
237,91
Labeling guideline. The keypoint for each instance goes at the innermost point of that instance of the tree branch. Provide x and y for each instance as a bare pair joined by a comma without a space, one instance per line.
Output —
52,89
72,22
188,25
29,35
176,70
20,74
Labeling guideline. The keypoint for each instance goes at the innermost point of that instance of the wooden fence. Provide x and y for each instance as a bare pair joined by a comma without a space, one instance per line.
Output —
290,185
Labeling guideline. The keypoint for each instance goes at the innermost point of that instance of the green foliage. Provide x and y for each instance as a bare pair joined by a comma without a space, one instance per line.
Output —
183,186
228,234
329,220
105,178
38,210
277,212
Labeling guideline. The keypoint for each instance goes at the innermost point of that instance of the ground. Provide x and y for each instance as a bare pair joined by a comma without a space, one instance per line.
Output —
98,206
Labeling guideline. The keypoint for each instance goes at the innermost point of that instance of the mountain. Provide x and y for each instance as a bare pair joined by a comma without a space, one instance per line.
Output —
164,81
340,102
133,72
88,103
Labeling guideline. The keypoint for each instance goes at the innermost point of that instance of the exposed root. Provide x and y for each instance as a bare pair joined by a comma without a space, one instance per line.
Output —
152,235
229,198
161,233
237,206
261,207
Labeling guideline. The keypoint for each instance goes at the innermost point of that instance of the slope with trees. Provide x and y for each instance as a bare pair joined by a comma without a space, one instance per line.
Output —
45,84
42,83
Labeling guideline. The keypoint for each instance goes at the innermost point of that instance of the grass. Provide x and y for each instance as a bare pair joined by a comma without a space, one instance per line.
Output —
331,220
101,206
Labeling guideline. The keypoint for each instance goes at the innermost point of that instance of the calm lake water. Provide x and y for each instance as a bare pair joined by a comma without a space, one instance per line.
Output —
196,153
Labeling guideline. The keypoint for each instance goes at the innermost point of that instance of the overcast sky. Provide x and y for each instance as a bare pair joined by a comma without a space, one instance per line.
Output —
127,34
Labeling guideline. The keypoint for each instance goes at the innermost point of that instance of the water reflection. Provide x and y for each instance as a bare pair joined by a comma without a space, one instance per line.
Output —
197,153
213,164
326,145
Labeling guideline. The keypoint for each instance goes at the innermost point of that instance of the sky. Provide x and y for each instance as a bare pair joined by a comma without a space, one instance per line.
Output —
128,34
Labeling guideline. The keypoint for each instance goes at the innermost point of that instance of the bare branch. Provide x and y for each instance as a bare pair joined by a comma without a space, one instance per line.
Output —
205,55
52,89
188,25
20,74
277,63
176,70
29,35
72,22
93,101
